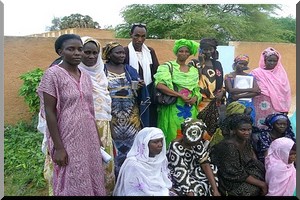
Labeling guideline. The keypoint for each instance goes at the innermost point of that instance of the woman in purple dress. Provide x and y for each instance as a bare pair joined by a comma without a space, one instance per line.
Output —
67,104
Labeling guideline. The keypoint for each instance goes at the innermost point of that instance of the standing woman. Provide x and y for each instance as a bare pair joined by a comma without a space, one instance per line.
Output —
240,94
211,84
125,123
186,79
92,63
66,98
274,84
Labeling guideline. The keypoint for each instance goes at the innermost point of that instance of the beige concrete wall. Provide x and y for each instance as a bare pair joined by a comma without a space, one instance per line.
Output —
92,32
254,49
23,54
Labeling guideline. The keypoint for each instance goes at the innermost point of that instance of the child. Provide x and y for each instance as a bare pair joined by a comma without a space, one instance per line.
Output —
280,169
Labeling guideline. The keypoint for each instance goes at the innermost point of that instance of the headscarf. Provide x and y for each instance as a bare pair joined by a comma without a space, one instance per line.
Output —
107,49
141,175
61,39
193,129
241,57
274,83
235,107
280,176
208,42
272,118
190,44
102,99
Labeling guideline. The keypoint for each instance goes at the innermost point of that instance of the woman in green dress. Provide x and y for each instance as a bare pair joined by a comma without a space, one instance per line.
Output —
186,78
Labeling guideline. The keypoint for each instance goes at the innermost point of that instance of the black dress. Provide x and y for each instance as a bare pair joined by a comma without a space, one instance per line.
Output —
234,167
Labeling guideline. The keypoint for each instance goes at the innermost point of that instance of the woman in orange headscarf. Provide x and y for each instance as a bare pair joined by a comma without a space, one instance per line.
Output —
240,85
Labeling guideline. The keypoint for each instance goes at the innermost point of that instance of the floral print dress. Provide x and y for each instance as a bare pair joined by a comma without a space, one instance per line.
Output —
170,117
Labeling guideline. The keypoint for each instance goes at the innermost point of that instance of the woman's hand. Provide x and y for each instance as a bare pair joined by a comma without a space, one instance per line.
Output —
184,98
264,188
60,157
234,97
141,84
216,193
219,95
256,90
190,194
192,101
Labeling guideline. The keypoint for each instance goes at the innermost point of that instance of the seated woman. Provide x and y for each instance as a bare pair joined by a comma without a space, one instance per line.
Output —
278,125
189,162
145,171
280,169
223,130
239,171
240,85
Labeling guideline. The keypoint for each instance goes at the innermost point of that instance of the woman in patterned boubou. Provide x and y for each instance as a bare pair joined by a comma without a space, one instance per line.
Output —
126,121
189,162
211,84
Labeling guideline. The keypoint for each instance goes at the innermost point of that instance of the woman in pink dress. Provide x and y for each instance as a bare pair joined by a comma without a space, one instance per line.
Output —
67,104
274,84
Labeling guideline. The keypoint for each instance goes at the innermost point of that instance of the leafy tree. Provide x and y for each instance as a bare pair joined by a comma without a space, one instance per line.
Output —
286,28
226,22
73,21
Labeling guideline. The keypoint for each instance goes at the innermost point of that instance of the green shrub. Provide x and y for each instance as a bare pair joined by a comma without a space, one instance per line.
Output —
31,81
23,160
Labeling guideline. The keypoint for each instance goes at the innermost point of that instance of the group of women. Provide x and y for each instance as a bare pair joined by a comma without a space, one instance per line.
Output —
87,105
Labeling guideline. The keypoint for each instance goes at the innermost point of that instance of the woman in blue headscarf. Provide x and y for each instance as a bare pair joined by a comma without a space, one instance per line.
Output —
278,125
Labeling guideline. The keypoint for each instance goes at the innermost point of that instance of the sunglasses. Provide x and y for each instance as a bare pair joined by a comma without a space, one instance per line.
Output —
139,24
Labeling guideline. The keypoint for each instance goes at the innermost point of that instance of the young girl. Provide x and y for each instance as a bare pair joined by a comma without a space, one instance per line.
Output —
280,169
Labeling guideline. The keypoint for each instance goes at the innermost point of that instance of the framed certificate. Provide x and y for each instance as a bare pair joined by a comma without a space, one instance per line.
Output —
243,82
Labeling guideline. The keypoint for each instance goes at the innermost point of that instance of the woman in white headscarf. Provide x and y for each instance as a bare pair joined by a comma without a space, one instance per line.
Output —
93,65
145,172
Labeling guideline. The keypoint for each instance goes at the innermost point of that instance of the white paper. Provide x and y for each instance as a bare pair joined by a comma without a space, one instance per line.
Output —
243,82
105,156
